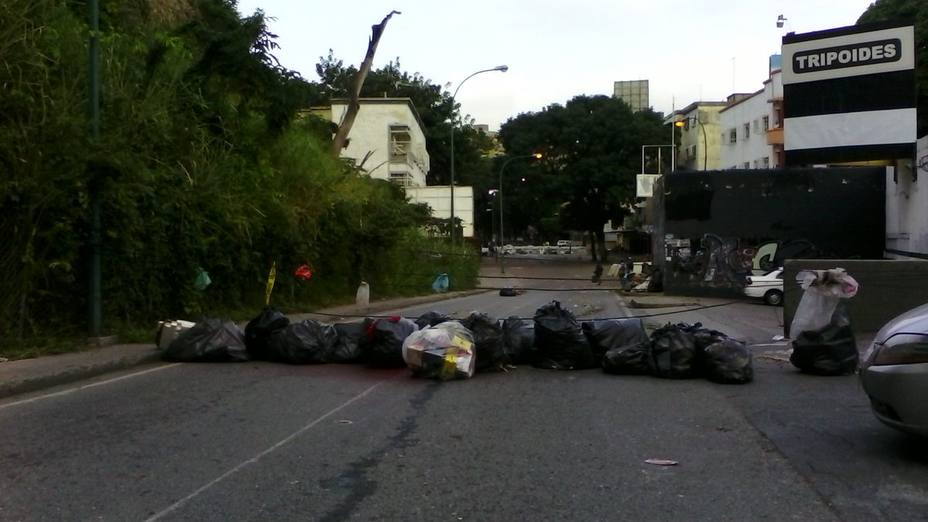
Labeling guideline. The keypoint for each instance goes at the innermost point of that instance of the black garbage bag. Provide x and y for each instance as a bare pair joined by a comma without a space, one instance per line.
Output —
559,341
384,344
210,340
656,281
728,361
347,347
431,319
673,353
607,334
488,341
305,342
831,350
519,340
258,331
630,359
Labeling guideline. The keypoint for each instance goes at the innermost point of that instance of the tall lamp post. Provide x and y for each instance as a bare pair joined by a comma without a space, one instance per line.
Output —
536,155
500,68
705,139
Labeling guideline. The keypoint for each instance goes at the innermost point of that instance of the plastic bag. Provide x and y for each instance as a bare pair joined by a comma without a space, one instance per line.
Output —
305,342
444,351
631,359
363,296
728,361
831,350
384,344
519,340
673,353
431,319
202,280
441,283
170,330
258,331
210,340
559,340
488,340
823,289
347,348
604,335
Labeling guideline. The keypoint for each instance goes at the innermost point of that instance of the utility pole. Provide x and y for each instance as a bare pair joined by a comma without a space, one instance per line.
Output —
96,293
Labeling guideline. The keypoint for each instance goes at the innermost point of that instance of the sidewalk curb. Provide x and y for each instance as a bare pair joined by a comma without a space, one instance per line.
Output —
72,369
69,374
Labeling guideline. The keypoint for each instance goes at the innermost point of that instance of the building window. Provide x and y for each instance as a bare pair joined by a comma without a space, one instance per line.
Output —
747,130
733,136
400,144
756,164
400,178
747,165
766,162
756,126
766,123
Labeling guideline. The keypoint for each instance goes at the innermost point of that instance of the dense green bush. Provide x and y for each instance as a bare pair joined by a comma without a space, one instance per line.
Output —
201,163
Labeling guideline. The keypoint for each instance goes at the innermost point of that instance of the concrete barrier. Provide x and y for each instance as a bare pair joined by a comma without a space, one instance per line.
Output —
887,288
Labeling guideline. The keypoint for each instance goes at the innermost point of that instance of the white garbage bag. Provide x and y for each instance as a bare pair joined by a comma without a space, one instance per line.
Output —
822,289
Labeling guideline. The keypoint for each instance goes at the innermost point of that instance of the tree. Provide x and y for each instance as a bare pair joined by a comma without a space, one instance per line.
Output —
591,150
913,12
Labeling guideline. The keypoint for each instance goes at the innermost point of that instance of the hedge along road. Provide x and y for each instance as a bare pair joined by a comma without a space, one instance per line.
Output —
269,441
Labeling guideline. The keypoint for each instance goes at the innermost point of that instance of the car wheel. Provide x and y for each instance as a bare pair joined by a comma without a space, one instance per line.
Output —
774,298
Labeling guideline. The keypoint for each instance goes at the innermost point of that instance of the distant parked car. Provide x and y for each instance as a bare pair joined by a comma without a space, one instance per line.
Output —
563,246
768,287
894,372
508,250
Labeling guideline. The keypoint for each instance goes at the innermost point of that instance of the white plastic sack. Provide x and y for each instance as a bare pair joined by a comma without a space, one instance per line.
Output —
444,351
363,297
822,291
169,330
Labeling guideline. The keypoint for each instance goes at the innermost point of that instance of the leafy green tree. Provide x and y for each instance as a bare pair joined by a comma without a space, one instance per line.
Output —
913,12
591,148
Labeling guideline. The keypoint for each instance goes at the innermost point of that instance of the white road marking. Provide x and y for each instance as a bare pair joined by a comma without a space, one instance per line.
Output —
254,460
86,386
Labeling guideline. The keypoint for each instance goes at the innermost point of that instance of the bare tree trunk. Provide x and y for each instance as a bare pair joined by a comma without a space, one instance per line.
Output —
341,135
603,253
593,246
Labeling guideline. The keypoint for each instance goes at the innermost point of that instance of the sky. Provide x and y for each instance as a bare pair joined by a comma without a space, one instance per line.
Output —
555,49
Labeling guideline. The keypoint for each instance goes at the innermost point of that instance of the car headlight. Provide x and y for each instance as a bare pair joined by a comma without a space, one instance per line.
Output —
901,353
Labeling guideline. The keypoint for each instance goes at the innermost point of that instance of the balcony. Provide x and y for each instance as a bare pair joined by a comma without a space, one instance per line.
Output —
775,136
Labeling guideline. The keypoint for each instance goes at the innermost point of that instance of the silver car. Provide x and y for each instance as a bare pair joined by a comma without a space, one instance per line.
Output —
894,372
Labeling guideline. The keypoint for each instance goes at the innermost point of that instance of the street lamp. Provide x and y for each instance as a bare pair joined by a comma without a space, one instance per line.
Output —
500,68
536,155
705,140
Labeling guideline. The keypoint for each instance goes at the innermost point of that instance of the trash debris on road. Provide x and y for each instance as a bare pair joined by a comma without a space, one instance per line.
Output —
607,334
630,359
444,351
823,341
728,362
305,342
431,319
673,352
488,341
258,331
210,340
661,462
169,330
384,344
778,338
441,283
519,340
347,348
559,341
508,291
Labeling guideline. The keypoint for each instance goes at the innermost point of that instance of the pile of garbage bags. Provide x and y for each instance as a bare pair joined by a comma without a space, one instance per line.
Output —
437,346
823,342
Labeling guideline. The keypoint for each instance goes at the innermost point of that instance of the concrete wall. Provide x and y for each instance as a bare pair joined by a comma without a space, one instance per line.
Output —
438,197
907,206
887,288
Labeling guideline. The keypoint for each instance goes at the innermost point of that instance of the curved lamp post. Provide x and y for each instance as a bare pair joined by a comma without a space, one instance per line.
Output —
500,68
536,155
705,139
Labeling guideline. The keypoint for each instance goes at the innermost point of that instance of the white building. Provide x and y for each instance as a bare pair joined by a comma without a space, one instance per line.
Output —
699,144
752,127
386,140
907,207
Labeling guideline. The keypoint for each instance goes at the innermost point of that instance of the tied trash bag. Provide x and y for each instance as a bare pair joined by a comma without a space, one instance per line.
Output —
347,348
606,334
559,340
822,291
444,351
488,340
441,283
258,331
629,359
384,344
831,350
210,340
305,342
431,319
728,362
519,340
673,353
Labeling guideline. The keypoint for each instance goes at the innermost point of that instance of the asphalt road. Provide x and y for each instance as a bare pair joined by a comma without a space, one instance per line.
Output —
261,441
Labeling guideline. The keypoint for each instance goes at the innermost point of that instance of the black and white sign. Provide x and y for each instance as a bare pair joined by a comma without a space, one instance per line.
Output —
849,94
